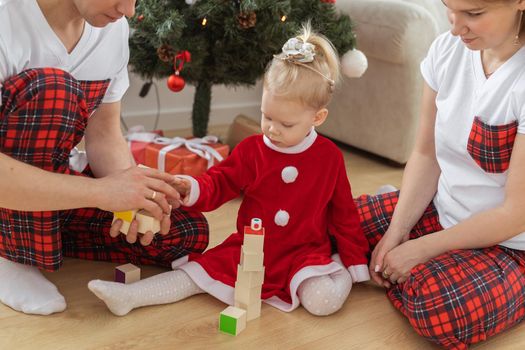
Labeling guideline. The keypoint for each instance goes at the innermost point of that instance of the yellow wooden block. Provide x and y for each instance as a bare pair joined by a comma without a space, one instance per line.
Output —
124,215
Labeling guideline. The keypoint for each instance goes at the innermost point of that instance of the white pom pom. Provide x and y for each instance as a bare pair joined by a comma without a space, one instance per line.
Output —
354,63
281,218
191,2
289,174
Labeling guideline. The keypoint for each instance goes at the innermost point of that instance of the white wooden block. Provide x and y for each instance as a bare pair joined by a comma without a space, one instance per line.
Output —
232,320
253,243
253,310
247,295
251,261
147,222
249,279
127,273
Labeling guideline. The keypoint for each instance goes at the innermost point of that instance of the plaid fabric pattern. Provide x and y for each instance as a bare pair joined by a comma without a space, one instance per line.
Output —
458,298
85,235
491,145
375,213
43,116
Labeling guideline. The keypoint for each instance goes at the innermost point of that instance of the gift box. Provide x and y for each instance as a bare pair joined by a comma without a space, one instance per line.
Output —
185,156
138,138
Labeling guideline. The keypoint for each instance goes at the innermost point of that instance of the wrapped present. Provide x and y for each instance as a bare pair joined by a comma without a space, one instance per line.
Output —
185,156
138,138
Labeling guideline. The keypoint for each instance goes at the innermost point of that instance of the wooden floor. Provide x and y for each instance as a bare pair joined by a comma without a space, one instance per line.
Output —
367,320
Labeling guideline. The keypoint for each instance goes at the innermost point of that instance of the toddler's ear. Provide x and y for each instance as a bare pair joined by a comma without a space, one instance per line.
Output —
320,116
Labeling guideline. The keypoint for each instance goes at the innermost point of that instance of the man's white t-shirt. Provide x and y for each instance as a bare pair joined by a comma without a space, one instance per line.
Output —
466,98
27,41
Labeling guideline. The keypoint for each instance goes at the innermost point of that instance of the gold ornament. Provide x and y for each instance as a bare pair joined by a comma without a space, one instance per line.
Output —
247,20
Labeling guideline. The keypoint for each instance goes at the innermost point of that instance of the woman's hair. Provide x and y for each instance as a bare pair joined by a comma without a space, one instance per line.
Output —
311,83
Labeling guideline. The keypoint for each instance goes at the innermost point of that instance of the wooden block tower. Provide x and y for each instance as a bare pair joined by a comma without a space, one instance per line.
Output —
250,276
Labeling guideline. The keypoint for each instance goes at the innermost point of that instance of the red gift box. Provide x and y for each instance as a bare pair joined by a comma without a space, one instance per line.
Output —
138,139
185,156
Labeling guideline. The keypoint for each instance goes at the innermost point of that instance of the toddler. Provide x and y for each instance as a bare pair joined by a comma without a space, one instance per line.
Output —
294,180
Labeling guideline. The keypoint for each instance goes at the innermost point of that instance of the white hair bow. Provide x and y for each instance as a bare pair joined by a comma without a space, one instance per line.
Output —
297,50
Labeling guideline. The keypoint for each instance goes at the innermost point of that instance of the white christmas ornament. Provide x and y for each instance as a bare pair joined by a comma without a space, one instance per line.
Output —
354,63
281,218
191,2
289,174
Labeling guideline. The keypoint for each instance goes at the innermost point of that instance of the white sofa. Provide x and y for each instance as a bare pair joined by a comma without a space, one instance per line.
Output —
379,111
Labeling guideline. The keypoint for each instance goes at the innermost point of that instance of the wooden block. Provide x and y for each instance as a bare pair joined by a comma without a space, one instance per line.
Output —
128,273
232,320
253,310
246,295
246,279
251,261
126,217
253,243
242,127
147,222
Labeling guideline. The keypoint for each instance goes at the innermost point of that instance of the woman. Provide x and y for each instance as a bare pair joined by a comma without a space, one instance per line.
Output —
450,247
63,67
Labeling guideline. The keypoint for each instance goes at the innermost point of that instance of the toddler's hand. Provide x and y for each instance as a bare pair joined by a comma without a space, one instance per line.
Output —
183,186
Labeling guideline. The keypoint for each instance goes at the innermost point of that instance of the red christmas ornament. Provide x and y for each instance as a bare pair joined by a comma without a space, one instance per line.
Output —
328,1
175,82
140,18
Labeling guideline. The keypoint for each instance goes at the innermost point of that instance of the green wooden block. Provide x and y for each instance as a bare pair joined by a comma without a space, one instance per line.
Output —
232,320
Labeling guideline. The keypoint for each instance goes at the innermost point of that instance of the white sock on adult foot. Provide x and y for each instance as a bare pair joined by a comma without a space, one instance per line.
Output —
164,288
25,289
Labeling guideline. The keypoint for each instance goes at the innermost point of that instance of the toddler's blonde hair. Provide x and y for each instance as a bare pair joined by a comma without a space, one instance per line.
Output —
296,82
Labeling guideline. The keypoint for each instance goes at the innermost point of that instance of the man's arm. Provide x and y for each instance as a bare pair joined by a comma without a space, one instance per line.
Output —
106,147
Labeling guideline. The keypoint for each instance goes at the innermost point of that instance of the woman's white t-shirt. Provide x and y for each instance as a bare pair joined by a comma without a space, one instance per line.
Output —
476,122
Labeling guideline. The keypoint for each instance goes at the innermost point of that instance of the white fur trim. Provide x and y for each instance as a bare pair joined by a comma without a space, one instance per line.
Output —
289,174
195,191
281,218
359,273
298,278
299,148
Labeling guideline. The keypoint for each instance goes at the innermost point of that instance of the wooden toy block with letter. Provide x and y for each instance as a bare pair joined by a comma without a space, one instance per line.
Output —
128,273
126,217
232,320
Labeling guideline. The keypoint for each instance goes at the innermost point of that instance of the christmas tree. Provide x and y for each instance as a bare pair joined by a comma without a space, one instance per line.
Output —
230,42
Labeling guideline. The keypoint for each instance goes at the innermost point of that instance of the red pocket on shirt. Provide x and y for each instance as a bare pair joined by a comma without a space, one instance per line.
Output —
491,145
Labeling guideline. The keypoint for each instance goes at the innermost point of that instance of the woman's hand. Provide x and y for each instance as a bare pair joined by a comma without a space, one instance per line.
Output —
399,261
390,240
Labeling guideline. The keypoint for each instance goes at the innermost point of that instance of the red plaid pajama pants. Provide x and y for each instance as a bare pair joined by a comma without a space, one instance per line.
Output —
43,115
456,299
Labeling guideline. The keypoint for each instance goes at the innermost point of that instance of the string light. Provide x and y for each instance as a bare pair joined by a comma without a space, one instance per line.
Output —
204,21
283,18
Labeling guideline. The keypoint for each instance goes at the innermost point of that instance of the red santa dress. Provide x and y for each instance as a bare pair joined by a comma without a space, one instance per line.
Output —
302,195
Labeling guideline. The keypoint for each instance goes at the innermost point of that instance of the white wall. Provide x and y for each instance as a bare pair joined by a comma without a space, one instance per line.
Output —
175,108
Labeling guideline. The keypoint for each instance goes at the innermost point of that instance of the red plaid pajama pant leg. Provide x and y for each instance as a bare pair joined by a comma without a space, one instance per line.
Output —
458,298
43,116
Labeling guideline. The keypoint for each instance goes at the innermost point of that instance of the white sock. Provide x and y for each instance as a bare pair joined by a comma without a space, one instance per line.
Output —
164,288
25,289
324,295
